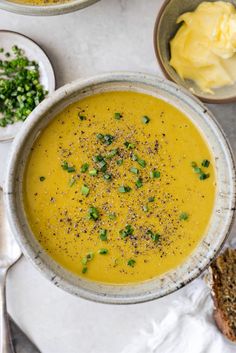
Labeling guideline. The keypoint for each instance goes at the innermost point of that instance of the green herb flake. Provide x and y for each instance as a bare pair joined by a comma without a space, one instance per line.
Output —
139,183
155,174
151,199
124,189
42,178
197,170
84,168
84,269
119,162
129,145
205,163
93,172
112,153
85,190
103,251
103,234
145,208
145,119
128,230
107,176
93,213
142,162
193,164
154,236
131,262
117,116
65,166
106,139
184,216
112,216
134,170
203,176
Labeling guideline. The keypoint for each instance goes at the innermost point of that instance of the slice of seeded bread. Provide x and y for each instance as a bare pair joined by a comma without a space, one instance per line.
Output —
223,271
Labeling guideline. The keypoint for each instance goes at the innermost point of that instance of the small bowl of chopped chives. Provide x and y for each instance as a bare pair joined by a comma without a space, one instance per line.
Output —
26,78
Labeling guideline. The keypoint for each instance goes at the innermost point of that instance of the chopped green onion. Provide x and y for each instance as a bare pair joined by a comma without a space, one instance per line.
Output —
124,189
151,199
117,116
155,236
103,234
129,145
145,208
103,251
93,172
197,170
193,164
84,269
119,162
142,162
93,213
112,153
131,262
82,117
204,176
84,168
183,216
127,231
85,190
42,178
145,119
69,169
134,170
72,182
112,216
107,176
139,183
106,139
155,174
205,163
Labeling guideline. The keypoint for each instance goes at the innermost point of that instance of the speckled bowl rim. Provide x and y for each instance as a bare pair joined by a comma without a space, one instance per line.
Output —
49,10
143,291
162,66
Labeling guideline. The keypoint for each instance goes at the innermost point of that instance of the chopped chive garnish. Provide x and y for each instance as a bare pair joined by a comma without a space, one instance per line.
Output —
112,153
93,172
183,216
112,216
106,139
142,162
119,162
127,231
84,168
69,169
84,269
139,183
205,163
203,176
85,190
87,258
134,170
197,170
103,251
82,117
103,234
145,119
72,182
93,213
145,208
98,158
134,157
131,262
129,145
155,236
107,176
155,174
124,189
117,116
42,178
151,199
193,164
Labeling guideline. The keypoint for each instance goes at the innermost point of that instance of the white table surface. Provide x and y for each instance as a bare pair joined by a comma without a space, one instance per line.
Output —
110,35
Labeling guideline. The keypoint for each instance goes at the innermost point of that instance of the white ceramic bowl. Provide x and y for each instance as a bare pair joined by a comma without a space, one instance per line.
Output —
49,10
222,215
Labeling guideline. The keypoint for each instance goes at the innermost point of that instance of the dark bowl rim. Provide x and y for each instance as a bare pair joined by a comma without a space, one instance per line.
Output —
165,72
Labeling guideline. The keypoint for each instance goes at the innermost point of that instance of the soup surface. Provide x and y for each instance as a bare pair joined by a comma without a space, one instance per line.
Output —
119,187
40,2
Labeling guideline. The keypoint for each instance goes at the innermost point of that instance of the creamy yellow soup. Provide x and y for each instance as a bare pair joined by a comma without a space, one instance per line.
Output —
119,187
40,2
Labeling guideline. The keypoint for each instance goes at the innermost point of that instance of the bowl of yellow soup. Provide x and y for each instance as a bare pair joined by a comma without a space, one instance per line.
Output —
121,188
44,7
195,46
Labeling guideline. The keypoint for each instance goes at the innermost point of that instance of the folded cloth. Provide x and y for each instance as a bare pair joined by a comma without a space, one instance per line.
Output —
188,327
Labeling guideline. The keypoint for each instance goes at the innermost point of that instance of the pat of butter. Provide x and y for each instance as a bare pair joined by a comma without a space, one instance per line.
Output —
204,48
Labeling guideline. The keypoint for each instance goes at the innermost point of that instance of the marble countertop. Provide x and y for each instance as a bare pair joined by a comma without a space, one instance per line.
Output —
110,35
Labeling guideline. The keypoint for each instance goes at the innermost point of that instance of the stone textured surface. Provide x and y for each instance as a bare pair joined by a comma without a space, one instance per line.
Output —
110,35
